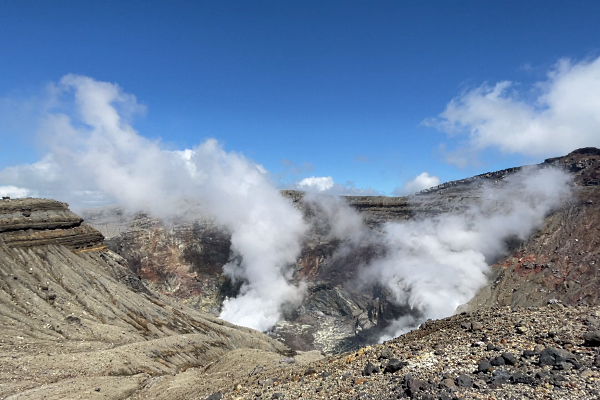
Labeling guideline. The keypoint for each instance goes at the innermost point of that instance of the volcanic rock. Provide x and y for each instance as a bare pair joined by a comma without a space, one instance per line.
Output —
75,318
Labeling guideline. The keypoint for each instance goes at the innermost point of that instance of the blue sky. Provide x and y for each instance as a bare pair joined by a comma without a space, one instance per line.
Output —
353,90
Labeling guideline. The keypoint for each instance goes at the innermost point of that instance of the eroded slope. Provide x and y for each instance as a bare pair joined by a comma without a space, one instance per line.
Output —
76,319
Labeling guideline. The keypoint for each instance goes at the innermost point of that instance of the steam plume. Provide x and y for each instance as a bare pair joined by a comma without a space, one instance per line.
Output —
94,152
434,265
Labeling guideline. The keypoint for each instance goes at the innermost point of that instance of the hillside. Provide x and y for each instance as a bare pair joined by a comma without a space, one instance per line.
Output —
560,261
77,322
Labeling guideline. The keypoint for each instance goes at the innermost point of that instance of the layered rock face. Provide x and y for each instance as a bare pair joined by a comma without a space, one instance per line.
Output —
77,322
37,222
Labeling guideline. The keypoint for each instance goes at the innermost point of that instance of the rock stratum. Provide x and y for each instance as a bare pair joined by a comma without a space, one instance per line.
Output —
37,222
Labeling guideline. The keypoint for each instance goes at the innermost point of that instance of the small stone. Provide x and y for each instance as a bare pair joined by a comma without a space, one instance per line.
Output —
484,366
500,377
215,396
394,365
386,354
558,380
266,383
476,326
586,373
557,358
509,358
310,371
463,381
479,384
528,353
522,329
277,395
592,339
519,377
448,383
370,369
541,375
414,386
498,361
97,390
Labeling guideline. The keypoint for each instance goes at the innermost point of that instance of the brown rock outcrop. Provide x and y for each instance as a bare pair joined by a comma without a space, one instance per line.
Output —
36,222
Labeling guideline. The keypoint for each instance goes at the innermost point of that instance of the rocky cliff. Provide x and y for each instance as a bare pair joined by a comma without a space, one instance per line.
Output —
78,323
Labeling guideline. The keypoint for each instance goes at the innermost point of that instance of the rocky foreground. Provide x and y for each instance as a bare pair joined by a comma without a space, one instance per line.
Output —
549,352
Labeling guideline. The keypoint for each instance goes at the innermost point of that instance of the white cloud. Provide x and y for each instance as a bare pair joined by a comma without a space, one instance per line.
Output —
326,185
14,192
320,184
556,116
420,182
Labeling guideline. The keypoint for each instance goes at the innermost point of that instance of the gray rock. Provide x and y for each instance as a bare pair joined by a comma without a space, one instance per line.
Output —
370,369
509,358
484,366
386,354
476,326
555,357
413,386
592,339
500,377
464,381
519,377
394,365
479,384
528,354
498,361
448,383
